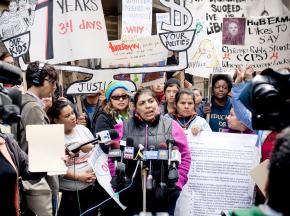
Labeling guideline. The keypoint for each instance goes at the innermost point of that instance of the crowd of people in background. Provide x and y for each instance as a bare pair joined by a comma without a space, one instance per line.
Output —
152,115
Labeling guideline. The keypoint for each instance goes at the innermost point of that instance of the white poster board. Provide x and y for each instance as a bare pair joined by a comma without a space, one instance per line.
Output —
136,18
219,177
46,148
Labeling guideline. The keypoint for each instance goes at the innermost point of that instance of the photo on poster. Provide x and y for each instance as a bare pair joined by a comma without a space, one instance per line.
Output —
234,31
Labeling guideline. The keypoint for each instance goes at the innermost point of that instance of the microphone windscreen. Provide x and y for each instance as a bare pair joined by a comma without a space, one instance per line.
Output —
113,134
169,141
175,148
163,146
129,142
141,147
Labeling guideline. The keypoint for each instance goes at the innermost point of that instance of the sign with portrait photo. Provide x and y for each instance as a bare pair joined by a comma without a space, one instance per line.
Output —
266,45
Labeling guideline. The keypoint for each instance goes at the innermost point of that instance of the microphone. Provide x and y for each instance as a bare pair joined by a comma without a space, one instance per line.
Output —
170,143
120,179
149,182
175,156
162,152
173,174
101,137
139,154
138,157
10,74
161,189
128,151
107,135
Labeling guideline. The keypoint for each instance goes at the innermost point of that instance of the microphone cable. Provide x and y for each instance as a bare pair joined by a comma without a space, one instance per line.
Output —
75,182
115,194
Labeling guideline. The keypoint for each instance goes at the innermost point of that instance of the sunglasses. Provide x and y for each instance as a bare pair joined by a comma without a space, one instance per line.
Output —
118,97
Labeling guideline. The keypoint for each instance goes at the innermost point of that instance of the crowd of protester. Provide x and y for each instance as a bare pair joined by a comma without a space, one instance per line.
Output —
150,116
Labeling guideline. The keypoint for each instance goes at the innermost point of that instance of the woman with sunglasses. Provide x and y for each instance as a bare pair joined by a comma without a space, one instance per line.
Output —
153,131
116,107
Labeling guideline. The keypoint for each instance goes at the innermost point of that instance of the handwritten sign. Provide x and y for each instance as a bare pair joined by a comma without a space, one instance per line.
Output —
171,27
205,57
136,18
135,52
216,10
266,44
19,45
54,30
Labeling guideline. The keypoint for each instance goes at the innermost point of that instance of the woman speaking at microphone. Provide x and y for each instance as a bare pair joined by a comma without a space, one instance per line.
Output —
148,128
77,185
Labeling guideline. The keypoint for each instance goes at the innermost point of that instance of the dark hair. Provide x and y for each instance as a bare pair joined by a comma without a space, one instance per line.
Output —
5,55
183,92
278,189
196,89
36,73
224,77
172,82
143,91
56,108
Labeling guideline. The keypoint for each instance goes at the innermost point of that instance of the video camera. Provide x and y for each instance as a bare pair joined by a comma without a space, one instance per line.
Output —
267,96
10,99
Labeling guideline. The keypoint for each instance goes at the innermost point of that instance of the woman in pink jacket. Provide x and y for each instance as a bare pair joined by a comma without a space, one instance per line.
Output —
153,131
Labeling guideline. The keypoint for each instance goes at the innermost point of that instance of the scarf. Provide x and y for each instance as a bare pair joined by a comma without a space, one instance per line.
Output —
184,122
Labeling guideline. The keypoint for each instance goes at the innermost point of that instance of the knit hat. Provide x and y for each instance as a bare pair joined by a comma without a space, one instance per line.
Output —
171,81
112,87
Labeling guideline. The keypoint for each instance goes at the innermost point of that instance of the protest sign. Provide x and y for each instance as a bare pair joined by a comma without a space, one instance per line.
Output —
61,32
259,8
52,31
216,10
135,52
219,177
205,56
99,162
266,45
136,18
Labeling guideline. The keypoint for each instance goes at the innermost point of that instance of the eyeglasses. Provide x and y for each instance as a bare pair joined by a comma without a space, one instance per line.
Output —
118,97
53,82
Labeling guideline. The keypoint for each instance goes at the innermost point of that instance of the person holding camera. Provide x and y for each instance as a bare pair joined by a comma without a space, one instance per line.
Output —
153,131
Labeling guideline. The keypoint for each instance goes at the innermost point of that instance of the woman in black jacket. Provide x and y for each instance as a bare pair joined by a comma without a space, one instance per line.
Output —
13,165
115,111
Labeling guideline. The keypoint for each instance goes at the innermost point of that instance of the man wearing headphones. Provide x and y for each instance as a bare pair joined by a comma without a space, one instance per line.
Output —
41,80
